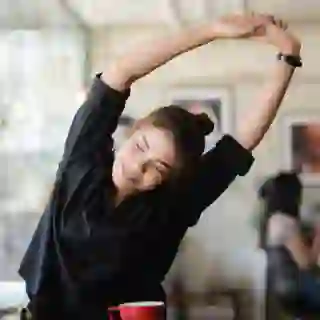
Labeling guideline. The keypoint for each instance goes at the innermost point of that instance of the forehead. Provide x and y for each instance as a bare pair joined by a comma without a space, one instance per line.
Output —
160,142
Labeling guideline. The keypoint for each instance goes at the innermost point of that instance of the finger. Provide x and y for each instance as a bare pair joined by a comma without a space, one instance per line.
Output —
281,24
271,18
284,25
278,23
267,18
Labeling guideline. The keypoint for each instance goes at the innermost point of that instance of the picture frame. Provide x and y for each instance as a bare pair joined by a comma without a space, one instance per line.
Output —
301,146
216,102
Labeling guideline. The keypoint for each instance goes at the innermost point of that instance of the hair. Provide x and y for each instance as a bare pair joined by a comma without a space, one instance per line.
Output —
188,130
283,193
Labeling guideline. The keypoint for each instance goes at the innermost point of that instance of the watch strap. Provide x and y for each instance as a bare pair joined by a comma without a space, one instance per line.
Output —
294,61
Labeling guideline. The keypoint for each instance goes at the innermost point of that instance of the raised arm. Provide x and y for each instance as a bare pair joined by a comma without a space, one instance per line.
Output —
153,54
264,109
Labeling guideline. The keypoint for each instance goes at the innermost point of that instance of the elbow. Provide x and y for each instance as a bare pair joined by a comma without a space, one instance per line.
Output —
250,139
118,77
252,133
248,142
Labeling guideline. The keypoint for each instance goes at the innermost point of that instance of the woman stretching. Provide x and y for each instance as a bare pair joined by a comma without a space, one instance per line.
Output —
114,222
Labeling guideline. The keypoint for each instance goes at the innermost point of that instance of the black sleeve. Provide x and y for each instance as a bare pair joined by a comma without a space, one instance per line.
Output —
218,169
94,123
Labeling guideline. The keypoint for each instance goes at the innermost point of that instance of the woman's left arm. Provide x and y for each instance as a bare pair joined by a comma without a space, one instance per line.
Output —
258,121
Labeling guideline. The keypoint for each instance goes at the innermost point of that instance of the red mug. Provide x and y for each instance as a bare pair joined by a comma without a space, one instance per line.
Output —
145,310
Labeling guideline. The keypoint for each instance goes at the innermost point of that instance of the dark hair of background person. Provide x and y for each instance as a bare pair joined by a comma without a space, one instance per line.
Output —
279,193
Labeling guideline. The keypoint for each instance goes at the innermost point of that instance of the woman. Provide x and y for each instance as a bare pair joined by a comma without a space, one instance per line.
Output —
292,253
114,222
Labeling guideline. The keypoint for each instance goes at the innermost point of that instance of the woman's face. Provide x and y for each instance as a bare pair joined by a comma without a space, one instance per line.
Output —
145,160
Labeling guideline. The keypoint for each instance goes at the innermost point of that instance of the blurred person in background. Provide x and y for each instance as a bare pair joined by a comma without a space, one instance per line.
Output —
292,252
114,221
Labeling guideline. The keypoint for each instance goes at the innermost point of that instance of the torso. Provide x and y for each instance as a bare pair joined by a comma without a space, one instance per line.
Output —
96,254
128,246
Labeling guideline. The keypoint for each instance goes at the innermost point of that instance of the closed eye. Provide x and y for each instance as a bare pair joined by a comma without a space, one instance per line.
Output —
139,147
143,144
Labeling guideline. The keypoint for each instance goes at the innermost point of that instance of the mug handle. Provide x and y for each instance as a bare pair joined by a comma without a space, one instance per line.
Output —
114,313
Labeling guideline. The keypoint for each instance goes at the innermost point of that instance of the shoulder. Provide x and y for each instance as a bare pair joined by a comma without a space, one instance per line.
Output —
117,77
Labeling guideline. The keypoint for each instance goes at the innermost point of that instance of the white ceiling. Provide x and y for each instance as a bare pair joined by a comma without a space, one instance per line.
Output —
33,14
38,13
297,10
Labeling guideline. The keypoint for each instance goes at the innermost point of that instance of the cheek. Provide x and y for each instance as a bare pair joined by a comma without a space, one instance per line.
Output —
127,151
151,179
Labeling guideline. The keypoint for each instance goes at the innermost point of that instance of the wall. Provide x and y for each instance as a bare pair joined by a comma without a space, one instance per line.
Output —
223,242
40,80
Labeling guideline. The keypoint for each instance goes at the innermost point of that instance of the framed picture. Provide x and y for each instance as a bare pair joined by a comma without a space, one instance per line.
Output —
214,102
302,146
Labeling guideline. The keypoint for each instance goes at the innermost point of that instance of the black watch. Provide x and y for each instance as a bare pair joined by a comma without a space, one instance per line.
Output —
294,61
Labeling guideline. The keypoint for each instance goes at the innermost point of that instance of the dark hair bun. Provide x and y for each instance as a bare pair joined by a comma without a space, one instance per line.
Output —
205,124
283,182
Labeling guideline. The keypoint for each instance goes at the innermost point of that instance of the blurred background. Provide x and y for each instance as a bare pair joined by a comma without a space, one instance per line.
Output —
49,53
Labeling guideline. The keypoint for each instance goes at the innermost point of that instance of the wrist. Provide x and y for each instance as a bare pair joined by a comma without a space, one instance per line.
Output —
291,48
203,33
291,60
218,32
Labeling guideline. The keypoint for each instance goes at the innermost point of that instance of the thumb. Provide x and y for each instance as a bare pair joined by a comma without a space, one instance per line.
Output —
259,30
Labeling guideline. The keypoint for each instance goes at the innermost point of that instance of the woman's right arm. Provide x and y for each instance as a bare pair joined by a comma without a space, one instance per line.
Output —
153,54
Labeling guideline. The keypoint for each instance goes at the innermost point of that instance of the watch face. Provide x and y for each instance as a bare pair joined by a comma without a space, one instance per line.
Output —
294,61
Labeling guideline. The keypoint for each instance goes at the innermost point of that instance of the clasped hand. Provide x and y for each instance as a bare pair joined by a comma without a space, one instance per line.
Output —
259,27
